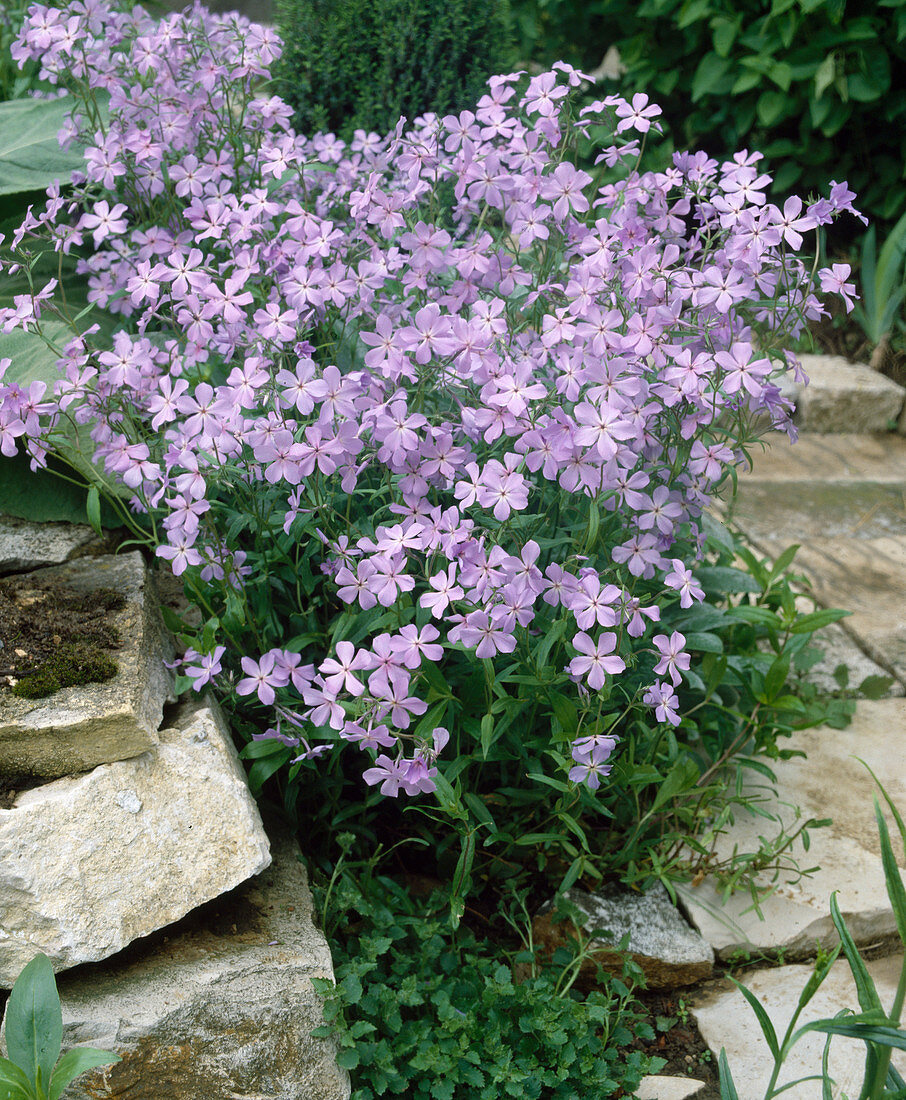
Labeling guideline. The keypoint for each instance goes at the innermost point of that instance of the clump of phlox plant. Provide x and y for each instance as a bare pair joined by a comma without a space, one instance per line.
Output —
426,422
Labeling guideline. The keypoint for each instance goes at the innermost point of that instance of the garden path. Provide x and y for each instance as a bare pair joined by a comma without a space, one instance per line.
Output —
842,498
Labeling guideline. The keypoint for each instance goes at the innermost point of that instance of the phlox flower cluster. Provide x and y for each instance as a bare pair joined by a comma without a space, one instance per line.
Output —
497,388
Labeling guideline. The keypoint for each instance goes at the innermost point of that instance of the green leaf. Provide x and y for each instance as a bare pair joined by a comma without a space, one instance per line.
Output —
30,154
727,1088
77,1061
875,687
34,1020
14,1085
681,777
764,1021
865,987
824,77
704,642
783,562
724,579
93,508
710,76
892,878
771,107
487,734
806,624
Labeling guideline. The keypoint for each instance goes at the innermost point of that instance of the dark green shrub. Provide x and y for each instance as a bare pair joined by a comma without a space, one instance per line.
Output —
818,86
360,64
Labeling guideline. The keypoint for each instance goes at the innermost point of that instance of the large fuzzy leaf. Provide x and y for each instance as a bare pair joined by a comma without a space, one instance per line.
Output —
30,154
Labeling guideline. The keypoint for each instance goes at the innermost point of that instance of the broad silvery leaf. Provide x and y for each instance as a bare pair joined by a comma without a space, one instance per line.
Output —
34,1021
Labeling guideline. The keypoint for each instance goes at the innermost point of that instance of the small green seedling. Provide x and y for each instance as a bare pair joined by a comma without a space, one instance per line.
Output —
34,1036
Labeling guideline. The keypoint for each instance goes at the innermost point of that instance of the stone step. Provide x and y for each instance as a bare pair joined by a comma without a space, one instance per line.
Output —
727,1022
219,1005
827,783
25,545
829,458
844,397
77,728
90,863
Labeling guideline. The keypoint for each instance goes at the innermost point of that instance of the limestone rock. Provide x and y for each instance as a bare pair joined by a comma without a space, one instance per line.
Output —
220,1005
669,952
89,863
726,1020
822,458
660,1087
77,728
846,397
827,783
25,545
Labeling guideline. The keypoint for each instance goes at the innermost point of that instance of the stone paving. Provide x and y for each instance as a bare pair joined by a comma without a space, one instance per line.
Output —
842,498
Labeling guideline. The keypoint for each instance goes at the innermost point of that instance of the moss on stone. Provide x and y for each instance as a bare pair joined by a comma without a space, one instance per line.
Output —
72,664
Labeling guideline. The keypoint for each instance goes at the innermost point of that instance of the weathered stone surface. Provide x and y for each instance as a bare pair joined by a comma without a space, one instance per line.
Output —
25,545
669,952
726,1020
866,577
89,863
77,728
658,1087
829,782
805,510
846,397
221,1005
822,458
840,649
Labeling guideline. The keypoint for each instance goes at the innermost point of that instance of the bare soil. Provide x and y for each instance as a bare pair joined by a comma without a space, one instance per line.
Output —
50,635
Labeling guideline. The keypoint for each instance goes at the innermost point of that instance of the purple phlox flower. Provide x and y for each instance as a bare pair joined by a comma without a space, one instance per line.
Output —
324,708
681,580
591,604
596,659
105,221
371,738
742,370
411,644
637,115
503,487
204,667
482,635
833,281
339,672
639,553
262,677
443,592
590,755
673,659
412,776
394,701
662,697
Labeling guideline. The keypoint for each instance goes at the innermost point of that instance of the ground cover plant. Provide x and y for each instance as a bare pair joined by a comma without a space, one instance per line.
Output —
427,424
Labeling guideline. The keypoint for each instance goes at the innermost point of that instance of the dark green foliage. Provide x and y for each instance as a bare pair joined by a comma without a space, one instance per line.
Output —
361,64
818,86
71,664
422,1011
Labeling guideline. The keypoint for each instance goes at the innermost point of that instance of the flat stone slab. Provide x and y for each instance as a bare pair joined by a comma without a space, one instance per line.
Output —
669,952
220,1005
828,783
661,1087
846,397
843,457
804,510
90,863
839,649
726,1021
77,728
25,545
866,577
